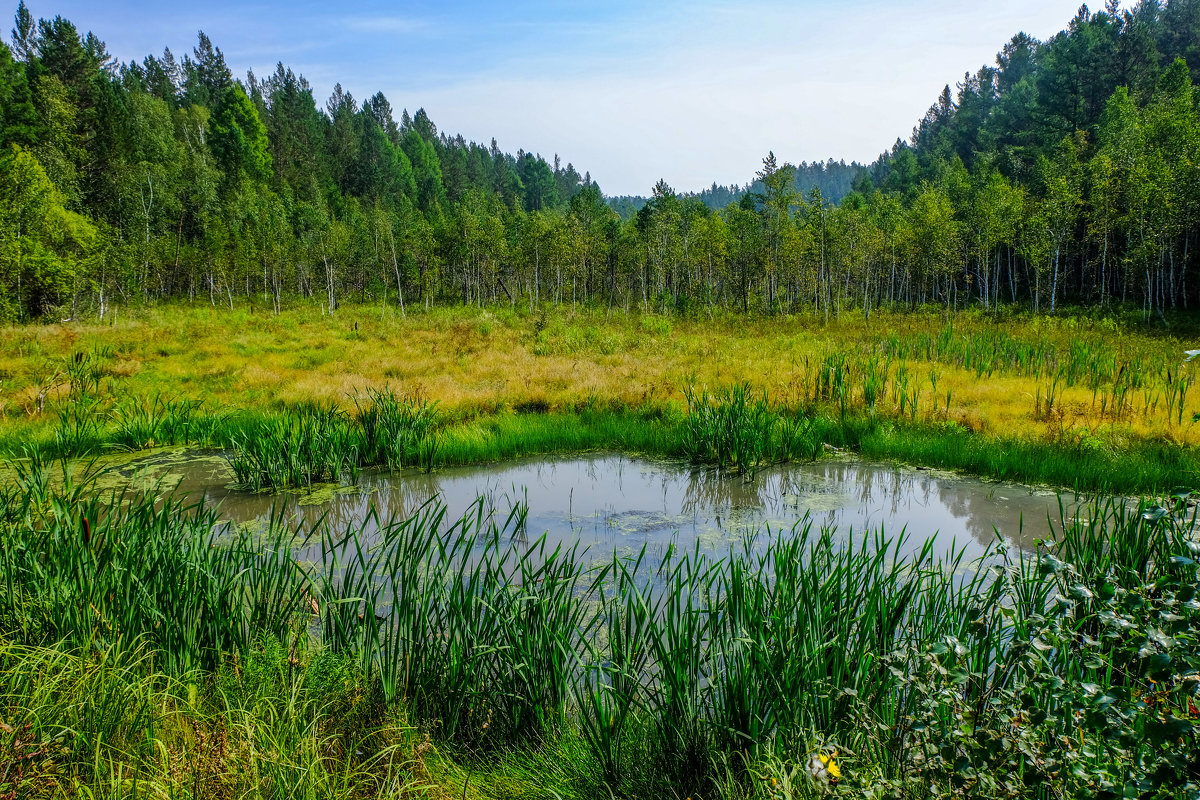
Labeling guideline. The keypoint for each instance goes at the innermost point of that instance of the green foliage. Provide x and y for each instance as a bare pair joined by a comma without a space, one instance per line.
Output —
18,120
737,430
1068,672
395,431
100,571
42,245
304,445
238,137
313,443
1059,175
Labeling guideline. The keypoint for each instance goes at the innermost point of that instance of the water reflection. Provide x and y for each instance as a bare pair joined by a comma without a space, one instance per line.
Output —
616,503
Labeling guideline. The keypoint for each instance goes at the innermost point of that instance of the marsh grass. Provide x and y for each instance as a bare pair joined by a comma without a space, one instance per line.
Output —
110,723
148,649
139,423
741,430
396,431
321,443
692,670
992,366
98,570
904,387
302,445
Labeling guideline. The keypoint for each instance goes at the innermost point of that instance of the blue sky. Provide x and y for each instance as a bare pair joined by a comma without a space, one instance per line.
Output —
693,92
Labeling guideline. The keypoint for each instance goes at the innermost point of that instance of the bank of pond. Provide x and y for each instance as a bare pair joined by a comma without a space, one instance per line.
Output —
592,624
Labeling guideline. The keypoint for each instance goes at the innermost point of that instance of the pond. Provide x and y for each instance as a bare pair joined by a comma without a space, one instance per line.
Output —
617,503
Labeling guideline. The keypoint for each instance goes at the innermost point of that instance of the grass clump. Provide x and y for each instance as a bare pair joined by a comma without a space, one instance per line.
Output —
99,570
738,430
396,431
139,423
320,443
301,446
276,722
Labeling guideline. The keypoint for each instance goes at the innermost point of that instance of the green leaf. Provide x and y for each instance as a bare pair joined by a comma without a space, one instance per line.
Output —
1049,565
1159,732
1154,513
1158,665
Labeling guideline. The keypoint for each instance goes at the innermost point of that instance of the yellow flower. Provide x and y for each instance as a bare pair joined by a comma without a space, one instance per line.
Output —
824,768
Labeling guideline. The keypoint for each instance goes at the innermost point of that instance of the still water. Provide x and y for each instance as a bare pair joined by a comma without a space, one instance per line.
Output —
616,503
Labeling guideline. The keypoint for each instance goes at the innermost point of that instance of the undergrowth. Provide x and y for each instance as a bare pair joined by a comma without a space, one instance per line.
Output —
393,654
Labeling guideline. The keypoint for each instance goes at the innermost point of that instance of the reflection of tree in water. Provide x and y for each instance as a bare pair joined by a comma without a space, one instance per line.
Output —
604,499
868,496
979,516
1014,512
708,490
916,499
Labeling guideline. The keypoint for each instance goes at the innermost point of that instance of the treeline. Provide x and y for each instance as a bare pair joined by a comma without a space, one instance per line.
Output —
1067,172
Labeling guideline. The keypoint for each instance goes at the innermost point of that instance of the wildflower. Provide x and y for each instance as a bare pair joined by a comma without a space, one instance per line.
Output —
824,769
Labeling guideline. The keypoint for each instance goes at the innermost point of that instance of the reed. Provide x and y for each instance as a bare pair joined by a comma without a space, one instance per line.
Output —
320,443
110,723
733,429
306,444
394,430
693,670
101,570
140,424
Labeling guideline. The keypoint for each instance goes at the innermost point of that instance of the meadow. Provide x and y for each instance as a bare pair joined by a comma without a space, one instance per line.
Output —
149,650
1088,401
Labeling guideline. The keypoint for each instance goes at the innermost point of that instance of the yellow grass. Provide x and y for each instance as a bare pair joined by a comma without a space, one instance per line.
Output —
479,361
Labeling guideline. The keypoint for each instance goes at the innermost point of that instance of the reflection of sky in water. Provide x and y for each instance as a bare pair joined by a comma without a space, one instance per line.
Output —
616,503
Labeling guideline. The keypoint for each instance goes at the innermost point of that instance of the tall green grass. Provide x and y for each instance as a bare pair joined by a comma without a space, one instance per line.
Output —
732,430
97,570
111,723
140,423
1066,672
320,443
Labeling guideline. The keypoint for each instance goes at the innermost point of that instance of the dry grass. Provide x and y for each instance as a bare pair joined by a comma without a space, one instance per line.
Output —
478,361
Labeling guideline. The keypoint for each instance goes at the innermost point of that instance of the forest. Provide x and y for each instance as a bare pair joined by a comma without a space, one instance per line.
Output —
1067,172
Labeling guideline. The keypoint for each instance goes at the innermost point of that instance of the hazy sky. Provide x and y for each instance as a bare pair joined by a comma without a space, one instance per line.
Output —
693,92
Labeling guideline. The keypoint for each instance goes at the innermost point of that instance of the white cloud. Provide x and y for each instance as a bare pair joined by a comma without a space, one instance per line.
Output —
704,99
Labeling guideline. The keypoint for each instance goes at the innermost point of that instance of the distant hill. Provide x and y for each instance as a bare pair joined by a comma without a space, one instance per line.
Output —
835,179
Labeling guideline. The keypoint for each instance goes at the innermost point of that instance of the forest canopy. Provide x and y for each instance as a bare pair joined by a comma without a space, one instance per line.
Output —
1068,171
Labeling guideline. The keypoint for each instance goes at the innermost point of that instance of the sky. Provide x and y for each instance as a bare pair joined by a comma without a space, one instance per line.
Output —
691,92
